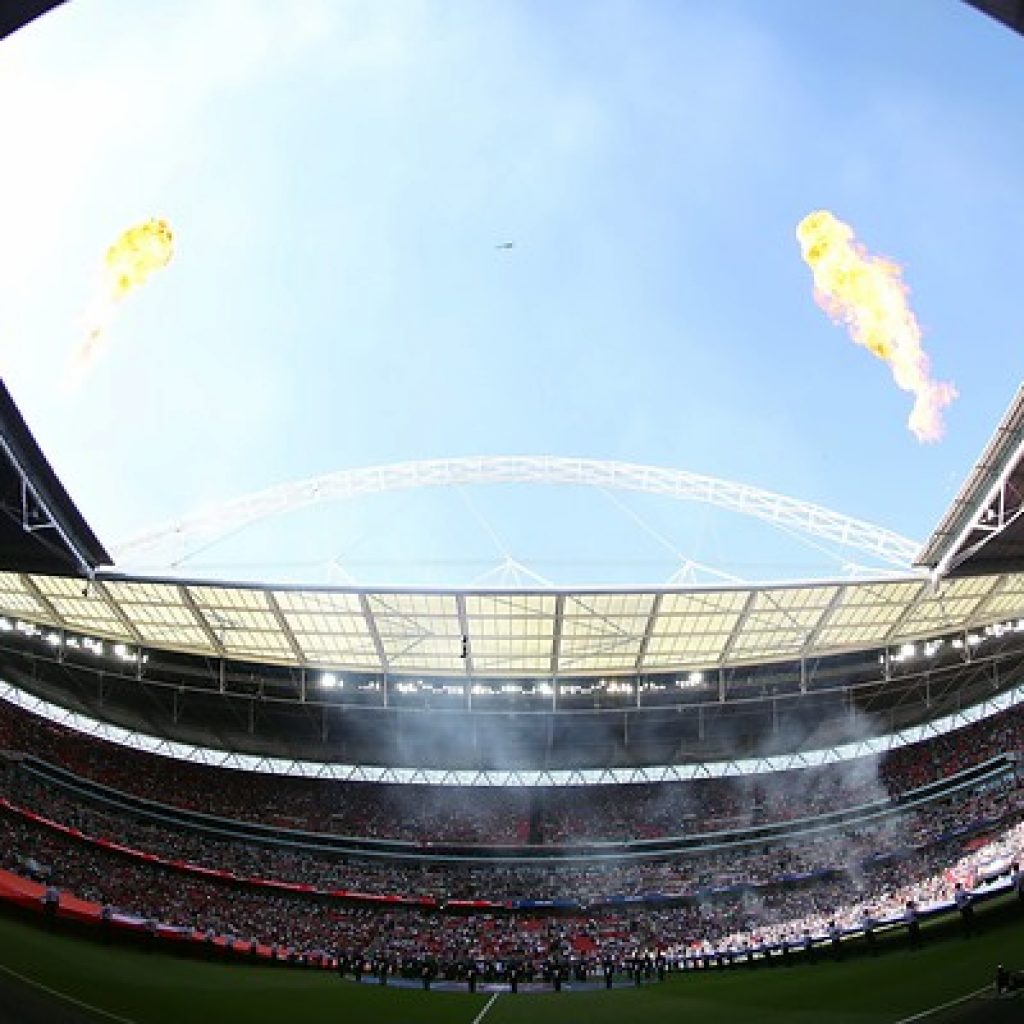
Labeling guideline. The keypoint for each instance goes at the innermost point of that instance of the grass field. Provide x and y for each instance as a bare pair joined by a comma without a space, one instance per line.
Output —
156,988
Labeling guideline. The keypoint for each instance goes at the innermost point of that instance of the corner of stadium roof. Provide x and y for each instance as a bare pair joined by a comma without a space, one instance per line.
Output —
15,14
1009,12
41,530
983,531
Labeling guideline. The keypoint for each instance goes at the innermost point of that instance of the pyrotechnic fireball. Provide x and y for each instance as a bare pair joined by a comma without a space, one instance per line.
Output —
868,294
137,253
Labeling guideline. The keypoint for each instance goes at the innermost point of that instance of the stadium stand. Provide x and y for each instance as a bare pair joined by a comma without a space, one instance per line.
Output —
944,812
418,814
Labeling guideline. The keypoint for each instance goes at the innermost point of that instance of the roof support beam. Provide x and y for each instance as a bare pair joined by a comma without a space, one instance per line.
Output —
928,589
117,610
988,531
812,637
1001,456
37,512
978,611
748,607
190,602
467,653
371,627
33,588
282,624
556,634
645,640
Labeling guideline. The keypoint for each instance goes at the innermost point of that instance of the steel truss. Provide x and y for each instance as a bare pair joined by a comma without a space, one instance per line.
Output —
731,768
1002,507
777,509
35,513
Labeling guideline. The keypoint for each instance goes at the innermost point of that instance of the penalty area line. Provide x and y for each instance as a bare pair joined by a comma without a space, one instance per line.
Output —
483,1013
924,1014
65,997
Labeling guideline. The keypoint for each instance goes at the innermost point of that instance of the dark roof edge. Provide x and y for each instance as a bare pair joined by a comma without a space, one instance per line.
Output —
28,460
1002,452
1009,12
15,14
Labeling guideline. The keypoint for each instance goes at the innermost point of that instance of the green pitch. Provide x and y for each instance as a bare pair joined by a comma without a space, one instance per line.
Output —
153,988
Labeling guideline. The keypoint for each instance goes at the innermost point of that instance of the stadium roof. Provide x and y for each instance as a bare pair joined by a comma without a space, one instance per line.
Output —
520,634
1009,12
41,530
982,532
14,14
48,578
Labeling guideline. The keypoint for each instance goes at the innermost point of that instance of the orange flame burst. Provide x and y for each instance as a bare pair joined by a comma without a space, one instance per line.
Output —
868,295
137,253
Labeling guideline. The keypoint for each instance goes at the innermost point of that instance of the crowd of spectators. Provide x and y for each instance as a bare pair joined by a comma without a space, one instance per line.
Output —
476,815
404,935
841,849
745,894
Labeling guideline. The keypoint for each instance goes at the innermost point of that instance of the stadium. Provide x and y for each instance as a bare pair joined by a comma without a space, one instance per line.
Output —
499,801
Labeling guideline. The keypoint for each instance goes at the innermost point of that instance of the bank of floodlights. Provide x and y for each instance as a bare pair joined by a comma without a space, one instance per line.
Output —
961,642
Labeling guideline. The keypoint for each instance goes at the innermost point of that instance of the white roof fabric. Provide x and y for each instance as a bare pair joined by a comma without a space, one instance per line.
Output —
515,634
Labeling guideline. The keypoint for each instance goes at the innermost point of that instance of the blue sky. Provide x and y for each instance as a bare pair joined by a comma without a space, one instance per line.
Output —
338,175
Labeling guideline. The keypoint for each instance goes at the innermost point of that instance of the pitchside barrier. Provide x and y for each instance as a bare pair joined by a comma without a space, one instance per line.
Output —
22,894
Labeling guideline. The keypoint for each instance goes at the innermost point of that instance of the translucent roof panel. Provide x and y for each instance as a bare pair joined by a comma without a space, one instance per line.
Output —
603,631
16,599
318,602
188,638
509,633
510,605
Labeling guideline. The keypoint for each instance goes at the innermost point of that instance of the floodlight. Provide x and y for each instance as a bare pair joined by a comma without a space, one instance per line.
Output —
328,680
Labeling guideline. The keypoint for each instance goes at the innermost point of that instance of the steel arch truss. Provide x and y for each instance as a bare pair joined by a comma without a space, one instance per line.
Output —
777,509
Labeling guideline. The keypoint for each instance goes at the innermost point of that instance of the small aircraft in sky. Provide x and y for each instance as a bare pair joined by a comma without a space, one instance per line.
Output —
505,245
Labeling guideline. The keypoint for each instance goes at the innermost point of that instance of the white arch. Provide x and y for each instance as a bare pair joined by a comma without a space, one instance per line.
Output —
777,509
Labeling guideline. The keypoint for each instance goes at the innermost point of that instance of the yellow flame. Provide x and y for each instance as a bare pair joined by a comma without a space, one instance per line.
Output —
137,253
868,295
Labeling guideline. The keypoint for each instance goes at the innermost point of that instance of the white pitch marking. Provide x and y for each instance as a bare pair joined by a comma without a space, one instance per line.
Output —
68,999
490,1002
944,1006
